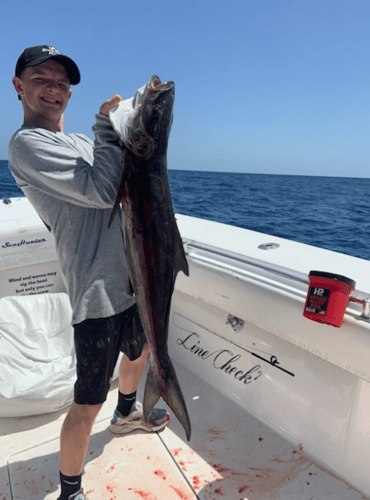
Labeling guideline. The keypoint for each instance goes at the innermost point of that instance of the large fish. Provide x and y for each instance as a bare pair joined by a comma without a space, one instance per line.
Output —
154,249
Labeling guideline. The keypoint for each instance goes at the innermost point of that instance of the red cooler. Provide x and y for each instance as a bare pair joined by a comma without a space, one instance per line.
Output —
328,297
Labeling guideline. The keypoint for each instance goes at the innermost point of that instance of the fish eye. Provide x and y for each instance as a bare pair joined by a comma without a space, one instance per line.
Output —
156,111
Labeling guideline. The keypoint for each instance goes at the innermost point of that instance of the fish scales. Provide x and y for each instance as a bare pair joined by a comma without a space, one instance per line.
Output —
154,249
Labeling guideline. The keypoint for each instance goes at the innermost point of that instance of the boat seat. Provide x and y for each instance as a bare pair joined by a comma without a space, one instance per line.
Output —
37,359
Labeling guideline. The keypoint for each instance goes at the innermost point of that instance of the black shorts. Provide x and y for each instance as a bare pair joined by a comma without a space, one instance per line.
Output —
98,343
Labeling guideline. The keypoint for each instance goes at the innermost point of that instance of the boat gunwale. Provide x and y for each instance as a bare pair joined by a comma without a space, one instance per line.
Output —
191,247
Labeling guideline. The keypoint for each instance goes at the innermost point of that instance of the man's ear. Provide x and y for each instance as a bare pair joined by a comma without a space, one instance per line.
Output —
17,82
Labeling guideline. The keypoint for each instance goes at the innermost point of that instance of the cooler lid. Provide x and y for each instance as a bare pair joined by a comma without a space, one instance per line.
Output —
337,277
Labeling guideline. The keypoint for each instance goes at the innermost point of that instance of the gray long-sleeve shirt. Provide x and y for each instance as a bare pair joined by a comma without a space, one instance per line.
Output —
72,184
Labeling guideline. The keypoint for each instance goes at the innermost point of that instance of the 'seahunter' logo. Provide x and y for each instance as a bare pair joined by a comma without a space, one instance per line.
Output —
8,244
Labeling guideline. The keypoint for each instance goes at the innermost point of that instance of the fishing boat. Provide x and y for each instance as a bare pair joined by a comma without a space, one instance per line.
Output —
279,403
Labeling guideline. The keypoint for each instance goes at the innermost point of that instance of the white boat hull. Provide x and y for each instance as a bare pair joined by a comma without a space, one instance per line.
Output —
279,404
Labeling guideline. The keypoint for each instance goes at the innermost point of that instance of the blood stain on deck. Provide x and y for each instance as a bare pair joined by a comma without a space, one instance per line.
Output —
243,488
144,494
159,473
183,464
196,483
181,494
200,483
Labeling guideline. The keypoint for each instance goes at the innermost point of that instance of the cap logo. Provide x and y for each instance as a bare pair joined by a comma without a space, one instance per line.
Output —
52,51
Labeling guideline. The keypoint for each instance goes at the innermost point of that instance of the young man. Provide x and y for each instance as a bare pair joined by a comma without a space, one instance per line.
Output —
72,183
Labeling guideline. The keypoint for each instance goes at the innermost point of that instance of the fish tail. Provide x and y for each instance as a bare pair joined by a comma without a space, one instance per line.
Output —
171,393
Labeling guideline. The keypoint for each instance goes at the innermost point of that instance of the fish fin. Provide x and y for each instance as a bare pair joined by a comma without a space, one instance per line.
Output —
171,393
121,191
113,213
152,391
180,257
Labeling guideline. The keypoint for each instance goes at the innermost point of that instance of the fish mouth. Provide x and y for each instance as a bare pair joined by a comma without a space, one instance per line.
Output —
155,86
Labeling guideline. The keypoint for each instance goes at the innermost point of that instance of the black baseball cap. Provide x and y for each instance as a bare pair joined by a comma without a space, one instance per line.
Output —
33,56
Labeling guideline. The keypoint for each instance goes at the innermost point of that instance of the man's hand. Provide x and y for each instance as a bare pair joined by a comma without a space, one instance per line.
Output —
110,103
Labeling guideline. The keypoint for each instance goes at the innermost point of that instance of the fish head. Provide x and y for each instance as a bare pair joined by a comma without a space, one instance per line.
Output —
152,118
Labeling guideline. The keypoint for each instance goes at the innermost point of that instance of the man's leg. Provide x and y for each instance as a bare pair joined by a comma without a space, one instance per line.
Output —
75,437
131,372
97,348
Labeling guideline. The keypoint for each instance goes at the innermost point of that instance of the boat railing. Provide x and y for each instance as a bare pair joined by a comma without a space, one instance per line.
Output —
229,261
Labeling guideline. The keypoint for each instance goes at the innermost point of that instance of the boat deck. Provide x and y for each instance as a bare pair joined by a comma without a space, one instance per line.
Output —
230,455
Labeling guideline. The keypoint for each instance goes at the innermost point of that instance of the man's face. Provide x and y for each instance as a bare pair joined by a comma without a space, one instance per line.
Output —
45,90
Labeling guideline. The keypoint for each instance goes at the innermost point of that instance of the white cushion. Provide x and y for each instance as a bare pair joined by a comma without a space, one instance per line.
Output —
37,359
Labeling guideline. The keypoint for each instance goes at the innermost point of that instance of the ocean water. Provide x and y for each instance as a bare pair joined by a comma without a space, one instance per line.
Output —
327,212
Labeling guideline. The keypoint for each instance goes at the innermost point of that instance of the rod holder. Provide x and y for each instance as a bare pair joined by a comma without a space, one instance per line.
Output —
365,305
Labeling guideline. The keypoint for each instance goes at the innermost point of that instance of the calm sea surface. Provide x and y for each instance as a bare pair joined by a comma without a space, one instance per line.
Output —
328,212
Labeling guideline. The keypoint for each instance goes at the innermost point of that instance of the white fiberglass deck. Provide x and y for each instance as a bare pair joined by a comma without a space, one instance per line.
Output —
230,456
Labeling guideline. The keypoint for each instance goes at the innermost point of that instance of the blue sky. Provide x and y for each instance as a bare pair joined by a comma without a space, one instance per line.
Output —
262,86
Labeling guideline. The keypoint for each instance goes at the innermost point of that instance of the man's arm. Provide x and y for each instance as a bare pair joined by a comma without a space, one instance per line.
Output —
67,167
